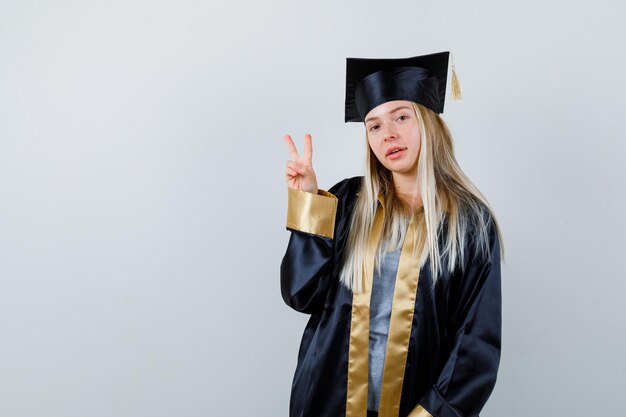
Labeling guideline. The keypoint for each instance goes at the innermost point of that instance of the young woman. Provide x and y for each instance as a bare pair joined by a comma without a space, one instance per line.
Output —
398,269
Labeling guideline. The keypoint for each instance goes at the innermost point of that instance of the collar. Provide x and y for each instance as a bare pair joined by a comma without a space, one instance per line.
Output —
381,200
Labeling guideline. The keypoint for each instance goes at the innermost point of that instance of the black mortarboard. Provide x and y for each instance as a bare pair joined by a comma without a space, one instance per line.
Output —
371,82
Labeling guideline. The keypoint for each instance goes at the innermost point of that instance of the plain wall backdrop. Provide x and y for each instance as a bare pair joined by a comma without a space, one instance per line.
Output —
143,199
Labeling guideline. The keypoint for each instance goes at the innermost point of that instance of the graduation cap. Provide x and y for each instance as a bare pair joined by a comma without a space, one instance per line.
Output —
422,79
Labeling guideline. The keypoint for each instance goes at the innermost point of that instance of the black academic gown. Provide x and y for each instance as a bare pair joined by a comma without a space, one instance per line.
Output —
445,364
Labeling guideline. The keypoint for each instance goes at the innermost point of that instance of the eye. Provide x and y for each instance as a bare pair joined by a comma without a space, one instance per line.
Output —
373,128
403,117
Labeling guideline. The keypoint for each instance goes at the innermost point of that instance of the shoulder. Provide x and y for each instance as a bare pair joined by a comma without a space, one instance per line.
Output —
347,183
347,187
345,191
482,233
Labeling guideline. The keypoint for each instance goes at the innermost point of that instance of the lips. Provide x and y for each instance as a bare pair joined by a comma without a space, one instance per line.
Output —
390,150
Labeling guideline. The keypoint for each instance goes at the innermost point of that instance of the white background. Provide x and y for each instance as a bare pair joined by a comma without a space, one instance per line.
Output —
143,200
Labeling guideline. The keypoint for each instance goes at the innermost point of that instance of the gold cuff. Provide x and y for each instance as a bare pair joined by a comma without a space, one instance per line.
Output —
312,213
419,411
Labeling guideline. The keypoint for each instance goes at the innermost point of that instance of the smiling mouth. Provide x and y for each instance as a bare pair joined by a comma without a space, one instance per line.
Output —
395,151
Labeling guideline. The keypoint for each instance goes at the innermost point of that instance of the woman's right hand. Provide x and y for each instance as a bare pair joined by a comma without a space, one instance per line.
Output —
300,174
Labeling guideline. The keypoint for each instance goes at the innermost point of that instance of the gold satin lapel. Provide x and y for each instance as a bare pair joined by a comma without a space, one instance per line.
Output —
419,411
358,356
400,326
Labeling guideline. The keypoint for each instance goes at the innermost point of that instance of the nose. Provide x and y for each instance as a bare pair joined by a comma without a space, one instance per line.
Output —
389,132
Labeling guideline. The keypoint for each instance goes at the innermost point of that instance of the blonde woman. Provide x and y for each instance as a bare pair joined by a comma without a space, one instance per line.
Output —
399,269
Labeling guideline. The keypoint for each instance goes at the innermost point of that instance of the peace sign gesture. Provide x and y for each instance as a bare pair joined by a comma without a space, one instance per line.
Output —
300,174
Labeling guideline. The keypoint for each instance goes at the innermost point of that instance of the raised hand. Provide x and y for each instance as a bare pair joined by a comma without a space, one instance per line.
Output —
300,174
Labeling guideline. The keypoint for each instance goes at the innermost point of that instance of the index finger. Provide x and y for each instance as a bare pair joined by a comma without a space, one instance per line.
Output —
292,148
308,148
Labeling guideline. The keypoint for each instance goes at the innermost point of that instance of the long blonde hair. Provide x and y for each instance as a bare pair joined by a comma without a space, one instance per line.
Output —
447,194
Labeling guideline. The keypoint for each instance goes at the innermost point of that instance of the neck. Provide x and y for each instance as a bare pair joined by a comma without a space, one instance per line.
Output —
407,190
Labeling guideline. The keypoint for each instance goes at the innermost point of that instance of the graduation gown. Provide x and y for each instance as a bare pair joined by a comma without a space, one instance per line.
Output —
443,347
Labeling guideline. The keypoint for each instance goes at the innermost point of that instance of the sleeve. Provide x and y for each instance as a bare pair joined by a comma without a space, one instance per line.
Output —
305,270
469,374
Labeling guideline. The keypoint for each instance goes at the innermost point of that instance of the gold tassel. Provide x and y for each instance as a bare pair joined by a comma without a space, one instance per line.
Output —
456,87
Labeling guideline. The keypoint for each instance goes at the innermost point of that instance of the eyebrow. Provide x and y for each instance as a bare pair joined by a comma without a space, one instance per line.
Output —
392,111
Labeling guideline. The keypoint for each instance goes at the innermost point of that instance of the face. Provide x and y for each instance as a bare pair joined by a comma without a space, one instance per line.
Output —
394,125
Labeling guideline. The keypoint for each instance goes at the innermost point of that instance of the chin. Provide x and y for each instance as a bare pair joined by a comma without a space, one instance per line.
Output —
404,170
400,169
